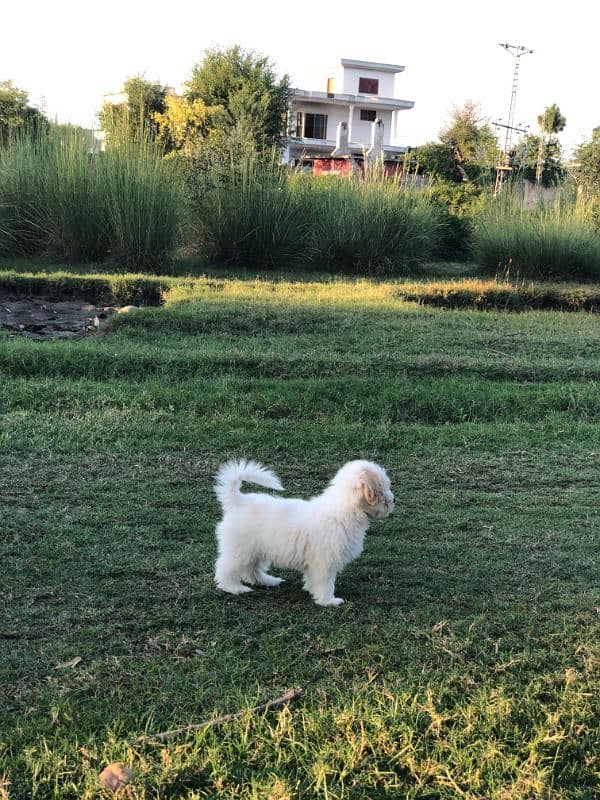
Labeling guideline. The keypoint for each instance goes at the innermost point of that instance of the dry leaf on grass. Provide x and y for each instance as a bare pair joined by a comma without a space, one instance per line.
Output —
72,663
115,776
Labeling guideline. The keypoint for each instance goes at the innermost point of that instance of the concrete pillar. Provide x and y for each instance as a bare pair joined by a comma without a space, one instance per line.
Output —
376,150
350,118
341,141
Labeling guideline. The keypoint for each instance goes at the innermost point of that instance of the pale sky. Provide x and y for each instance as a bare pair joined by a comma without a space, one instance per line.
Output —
68,54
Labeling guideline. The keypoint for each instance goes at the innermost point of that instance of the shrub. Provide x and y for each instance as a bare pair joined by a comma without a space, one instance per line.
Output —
458,203
145,203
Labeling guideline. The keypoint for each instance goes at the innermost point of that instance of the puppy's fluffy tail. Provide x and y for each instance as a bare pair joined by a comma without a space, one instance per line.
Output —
230,476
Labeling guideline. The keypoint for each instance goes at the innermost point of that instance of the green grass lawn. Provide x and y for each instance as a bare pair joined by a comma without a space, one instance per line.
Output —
465,661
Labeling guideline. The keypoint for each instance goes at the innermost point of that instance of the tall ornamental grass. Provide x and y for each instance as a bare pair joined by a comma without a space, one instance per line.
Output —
370,225
246,216
259,215
56,198
145,203
551,241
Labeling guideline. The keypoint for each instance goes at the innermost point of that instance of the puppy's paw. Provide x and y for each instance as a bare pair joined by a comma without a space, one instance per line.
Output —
268,580
238,588
330,601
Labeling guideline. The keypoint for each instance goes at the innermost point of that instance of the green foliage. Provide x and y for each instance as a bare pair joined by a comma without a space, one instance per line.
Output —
56,198
245,214
587,158
17,118
245,84
467,150
550,241
257,214
436,160
129,288
136,117
503,294
552,121
366,226
458,203
526,158
474,144
185,126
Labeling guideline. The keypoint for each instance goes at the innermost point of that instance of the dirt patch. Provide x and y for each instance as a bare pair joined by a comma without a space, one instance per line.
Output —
40,318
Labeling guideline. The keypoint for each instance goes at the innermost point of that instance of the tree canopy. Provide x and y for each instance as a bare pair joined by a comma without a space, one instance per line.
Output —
474,142
16,115
526,158
186,125
136,115
552,121
246,86
467,149
587,158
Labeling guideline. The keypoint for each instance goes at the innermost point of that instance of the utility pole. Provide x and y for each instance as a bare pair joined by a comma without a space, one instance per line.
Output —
540,158
504,159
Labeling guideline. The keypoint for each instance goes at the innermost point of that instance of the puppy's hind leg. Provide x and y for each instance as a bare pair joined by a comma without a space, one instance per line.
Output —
261,575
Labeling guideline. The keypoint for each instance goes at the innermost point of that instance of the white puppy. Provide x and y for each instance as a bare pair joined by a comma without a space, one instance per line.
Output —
318,536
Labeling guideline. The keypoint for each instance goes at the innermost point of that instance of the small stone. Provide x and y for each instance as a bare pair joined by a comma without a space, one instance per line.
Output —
126,309
115,776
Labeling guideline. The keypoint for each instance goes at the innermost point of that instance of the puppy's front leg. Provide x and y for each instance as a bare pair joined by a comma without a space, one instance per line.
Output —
321,585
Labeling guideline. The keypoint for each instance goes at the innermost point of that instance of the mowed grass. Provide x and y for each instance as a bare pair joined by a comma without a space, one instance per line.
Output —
465,660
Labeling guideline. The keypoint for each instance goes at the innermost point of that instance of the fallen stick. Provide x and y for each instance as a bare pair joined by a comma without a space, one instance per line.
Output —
291,694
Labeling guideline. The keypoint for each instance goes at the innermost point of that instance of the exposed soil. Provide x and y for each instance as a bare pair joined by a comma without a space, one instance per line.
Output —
39,318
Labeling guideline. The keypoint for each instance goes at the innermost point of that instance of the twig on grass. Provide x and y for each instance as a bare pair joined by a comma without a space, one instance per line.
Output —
288,697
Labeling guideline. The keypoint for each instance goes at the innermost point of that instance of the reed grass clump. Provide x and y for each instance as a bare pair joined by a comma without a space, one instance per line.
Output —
58,199
366,226
261,216
550,241
246,216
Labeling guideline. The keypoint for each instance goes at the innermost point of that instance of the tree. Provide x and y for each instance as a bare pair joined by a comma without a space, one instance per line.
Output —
16,115
587,158
136,115
186,125
245,84
551,122
467,149
437,160
473,142
526,160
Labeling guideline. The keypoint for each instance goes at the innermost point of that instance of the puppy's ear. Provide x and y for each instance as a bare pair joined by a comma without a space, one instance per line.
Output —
367,481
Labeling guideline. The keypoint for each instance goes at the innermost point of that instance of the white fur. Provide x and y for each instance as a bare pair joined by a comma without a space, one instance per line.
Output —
318,536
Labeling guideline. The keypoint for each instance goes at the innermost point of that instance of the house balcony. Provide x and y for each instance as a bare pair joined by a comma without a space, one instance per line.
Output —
324,147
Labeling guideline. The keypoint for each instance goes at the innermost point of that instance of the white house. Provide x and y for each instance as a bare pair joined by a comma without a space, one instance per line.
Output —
361,119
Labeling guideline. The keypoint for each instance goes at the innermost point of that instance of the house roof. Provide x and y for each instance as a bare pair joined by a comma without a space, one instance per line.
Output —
372,65
351,99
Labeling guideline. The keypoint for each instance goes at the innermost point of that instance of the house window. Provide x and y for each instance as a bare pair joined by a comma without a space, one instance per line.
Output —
368,86
368,114
315,126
